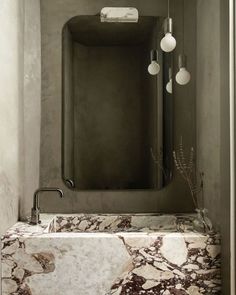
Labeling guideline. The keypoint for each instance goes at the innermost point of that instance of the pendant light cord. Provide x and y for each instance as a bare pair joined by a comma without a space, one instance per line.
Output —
168,8
183,23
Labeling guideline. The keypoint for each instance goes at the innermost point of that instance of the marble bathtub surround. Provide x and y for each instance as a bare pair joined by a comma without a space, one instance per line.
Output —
110,255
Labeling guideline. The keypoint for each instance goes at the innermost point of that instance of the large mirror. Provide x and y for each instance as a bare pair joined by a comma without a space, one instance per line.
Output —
117,117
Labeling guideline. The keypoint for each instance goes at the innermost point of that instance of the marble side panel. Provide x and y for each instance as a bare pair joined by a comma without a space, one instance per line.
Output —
174,263
62,265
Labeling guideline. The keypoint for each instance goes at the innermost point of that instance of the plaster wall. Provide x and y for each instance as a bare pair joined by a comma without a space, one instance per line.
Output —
11,110
175,197
20,108
31,104
208,102
68,106
212,114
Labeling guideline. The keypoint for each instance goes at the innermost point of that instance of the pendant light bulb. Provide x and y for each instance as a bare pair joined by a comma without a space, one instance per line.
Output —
154,67
170,83
169,86
183,76
168,42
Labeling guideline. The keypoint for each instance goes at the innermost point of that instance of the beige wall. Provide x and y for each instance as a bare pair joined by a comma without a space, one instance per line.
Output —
68,105
19,108
225,141
32,103
212,106
175,197
208,102
11,110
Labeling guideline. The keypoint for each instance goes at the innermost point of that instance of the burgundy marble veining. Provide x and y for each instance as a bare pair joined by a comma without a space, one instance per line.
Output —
202,276
14,275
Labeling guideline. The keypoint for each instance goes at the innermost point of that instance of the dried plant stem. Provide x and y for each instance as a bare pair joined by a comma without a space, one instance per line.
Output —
186,169
159,161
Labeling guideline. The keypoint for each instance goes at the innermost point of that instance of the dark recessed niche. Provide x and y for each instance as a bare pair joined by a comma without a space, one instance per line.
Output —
114,111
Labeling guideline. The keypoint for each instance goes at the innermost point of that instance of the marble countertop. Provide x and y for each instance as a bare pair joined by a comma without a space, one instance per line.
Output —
106,224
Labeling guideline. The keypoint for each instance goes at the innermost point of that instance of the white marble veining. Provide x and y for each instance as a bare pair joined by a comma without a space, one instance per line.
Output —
178,254
91,254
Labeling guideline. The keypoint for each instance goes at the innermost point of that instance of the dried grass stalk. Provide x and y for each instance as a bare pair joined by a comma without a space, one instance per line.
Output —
158,160
186,168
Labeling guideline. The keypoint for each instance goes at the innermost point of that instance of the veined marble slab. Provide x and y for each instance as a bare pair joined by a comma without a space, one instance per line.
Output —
110,255
119,14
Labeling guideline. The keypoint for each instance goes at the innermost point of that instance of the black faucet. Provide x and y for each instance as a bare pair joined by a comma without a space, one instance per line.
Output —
35,211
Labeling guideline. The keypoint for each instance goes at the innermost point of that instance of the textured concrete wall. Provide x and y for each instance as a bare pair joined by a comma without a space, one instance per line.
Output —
20,107
212,102
175,197
68,106
225,141
11,110
208,102
32,103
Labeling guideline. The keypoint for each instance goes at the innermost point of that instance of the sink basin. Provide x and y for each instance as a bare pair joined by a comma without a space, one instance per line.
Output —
118,223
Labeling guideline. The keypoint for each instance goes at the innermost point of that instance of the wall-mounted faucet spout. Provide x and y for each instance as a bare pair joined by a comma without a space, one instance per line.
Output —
35,211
